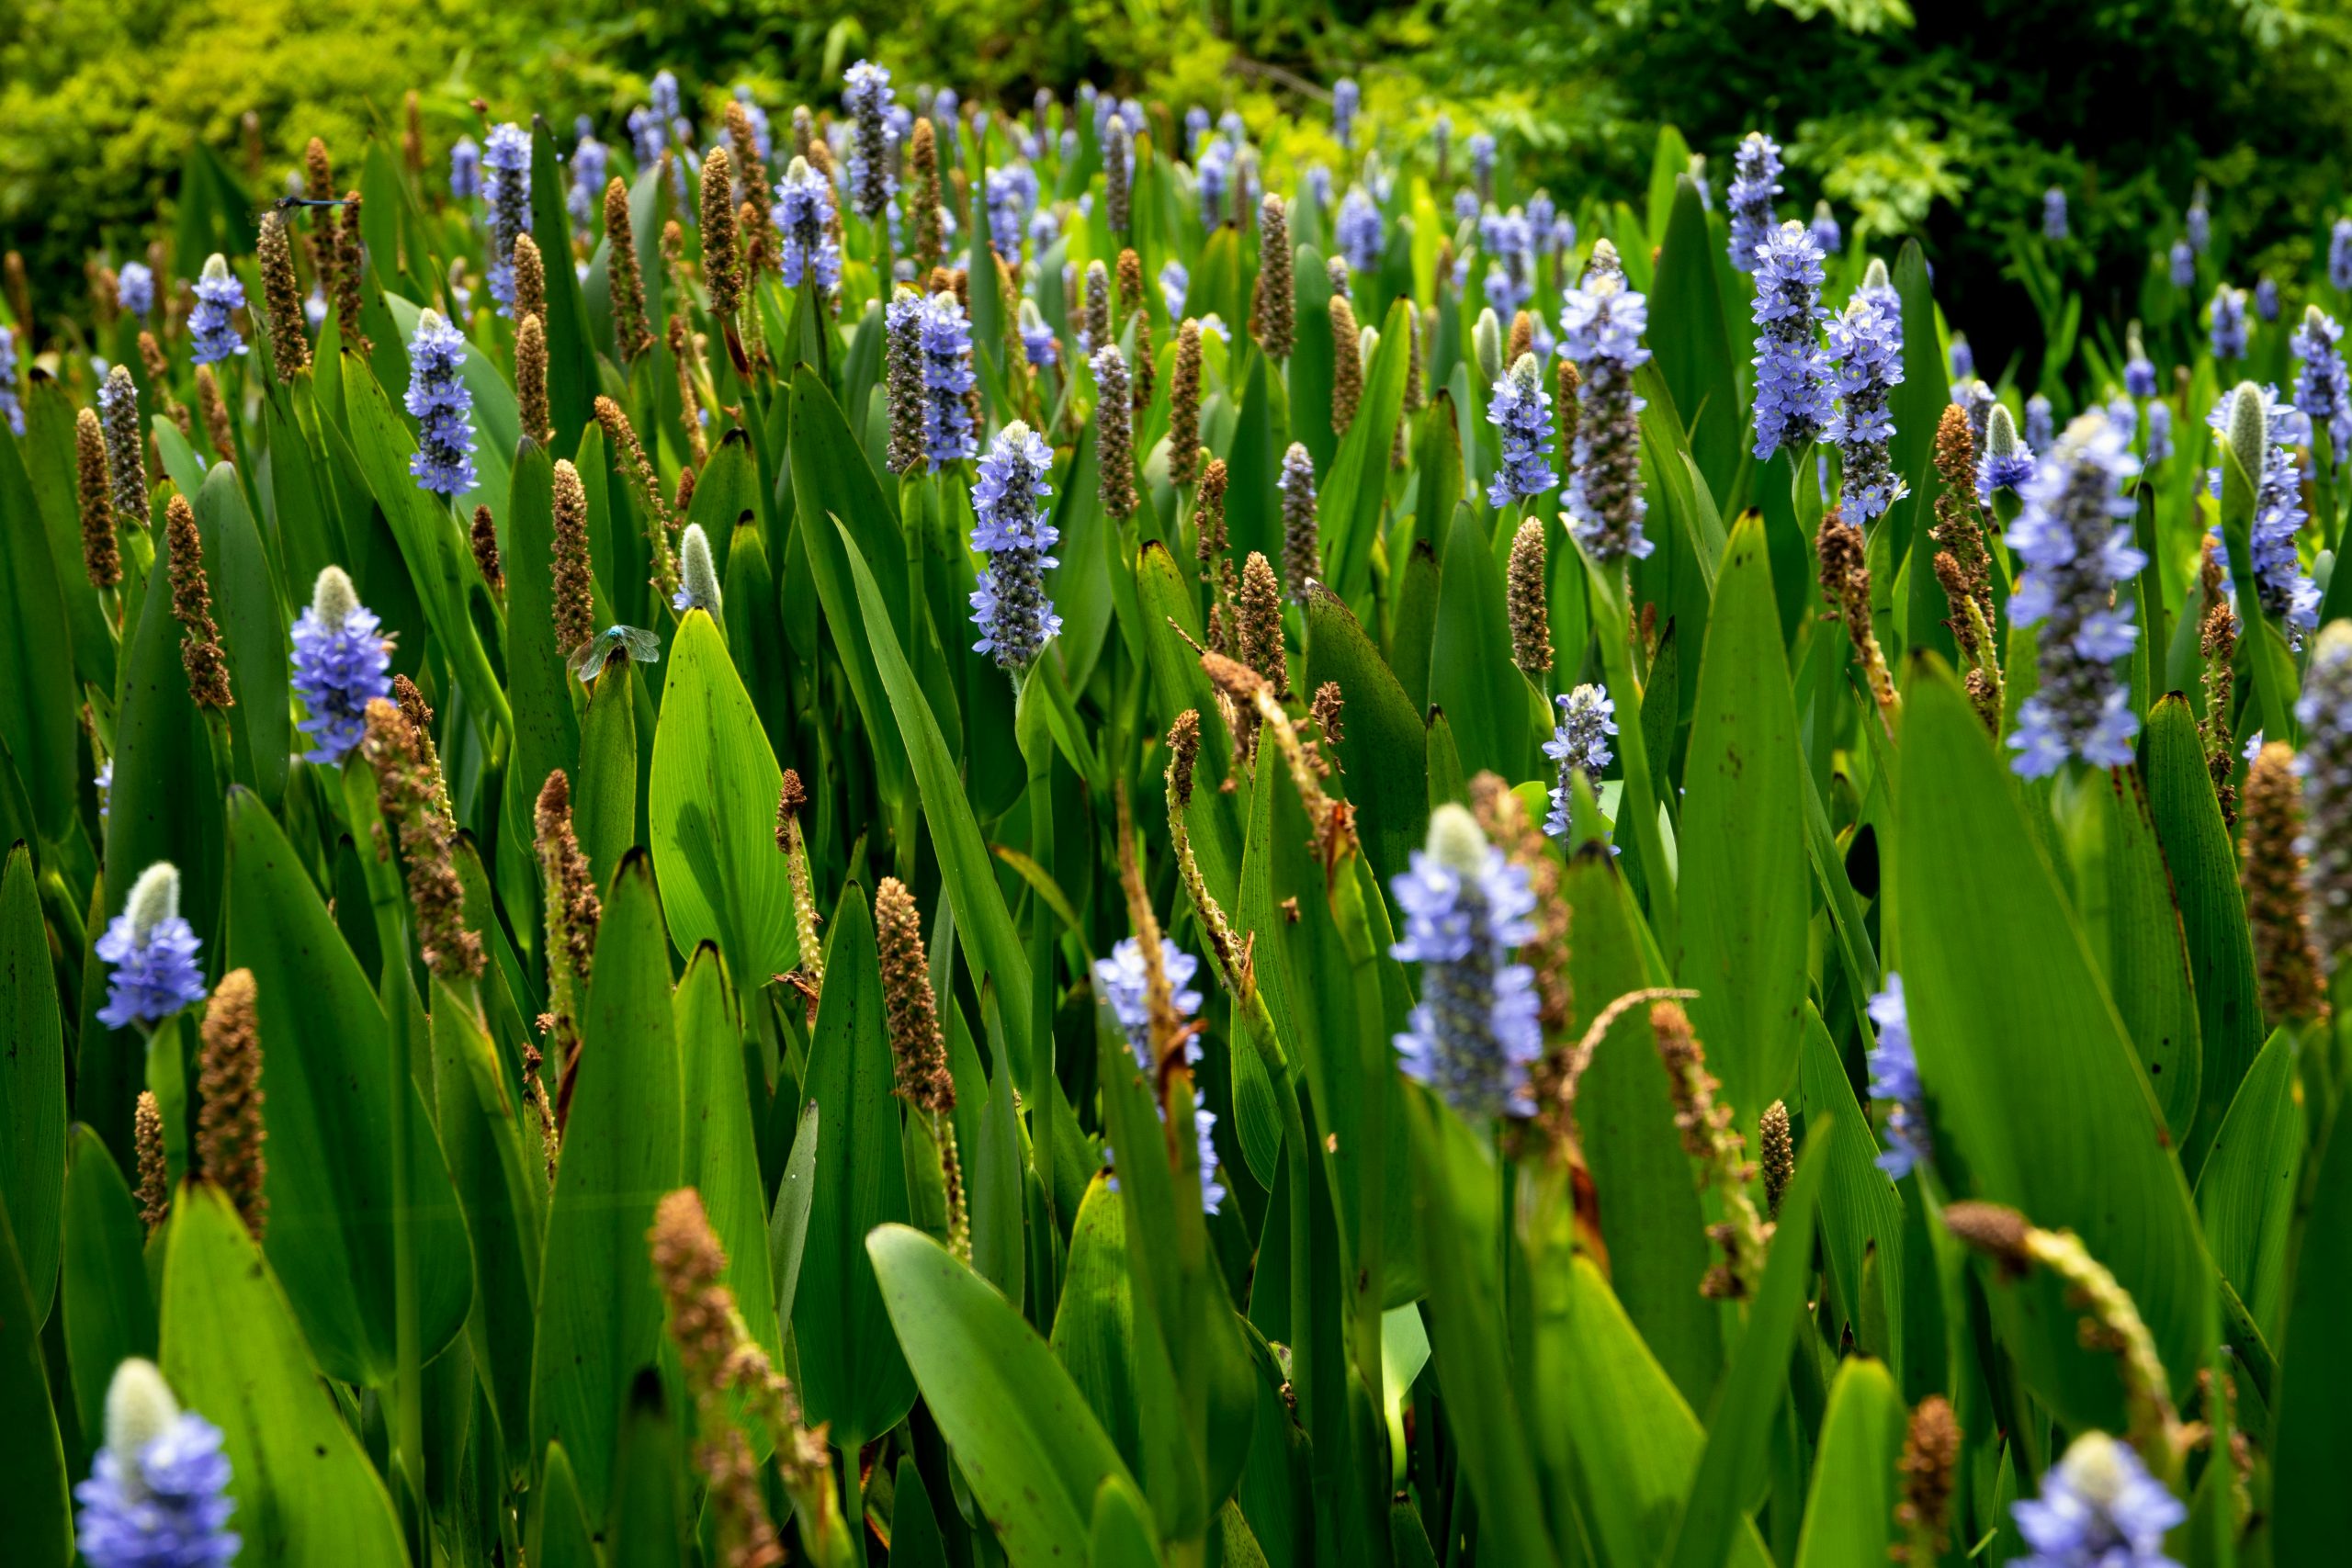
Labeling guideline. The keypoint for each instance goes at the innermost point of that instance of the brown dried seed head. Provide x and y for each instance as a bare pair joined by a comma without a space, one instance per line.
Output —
922,159
1270,318
1184,756
1993,1230
1209,516
289,342
628,284
1327,708
1529,614
154,1175
408,791
1347,364
484,539
792,799
1184,405
1955,449
230,1132
1259,611
2277,899
1930,1466
1114,430
919,1051
350,267
1521,339
531,379
575,602
200,651
101,558
1778,1148
317,170
1565,401
530,278
722,264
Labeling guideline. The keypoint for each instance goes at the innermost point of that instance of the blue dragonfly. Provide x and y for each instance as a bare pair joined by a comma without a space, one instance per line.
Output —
589,658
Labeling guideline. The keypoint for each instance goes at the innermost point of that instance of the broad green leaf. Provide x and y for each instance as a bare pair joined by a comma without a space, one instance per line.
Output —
711,812
38,701
789,1221
246,599
2204,867
2147,958
650,1519
1313,357
1356,485
328,1069
851,1372
1848,1514
1019,1430
48,456
2246,1192
600,1319
1471,673
233,1353
32,1082
722,1159
1688,334
36,1516
1381,740
560,1537
547,730
1122,1532
1733,1466
1862,1214
2312,1431
1650,1218
1745,900
1094,1324
604,795
572,358
107,1308
981,919
1996,970
1916,403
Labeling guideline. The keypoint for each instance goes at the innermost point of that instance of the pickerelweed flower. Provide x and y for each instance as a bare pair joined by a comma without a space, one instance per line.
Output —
1009,527
443,406
2280,585
2339,254
1011,196
1360,230
2074,540
1964,361
1521,409
342,660
1824,231
1482,163
1302,546
649,134
2040,422
506,187
1474,1034
1866,360
134,288
803,217
944,335
2184,266
2099,1509
2324,764
11,412
1465,205
1346,98
1602,322
1213,179
152,949
465,169
698,577
1038,344
1125,986
2007,462
1318,179
1792,373
1755,181
2159,432
1509,238
2320,390
2139,371
2199,222
158,1492
590,167
866,93
1895,1076
2266,299
1175,282
1579,743
217,295
2226,323
2053,214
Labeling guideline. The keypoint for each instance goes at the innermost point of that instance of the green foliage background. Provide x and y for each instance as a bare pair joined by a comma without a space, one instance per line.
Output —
1945,123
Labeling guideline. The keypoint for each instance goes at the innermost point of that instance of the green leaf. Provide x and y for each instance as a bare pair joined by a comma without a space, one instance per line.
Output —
1651,1221
1093,1326
1031,1453
253,627
1312,357
32,1082
107,1308
1917,402
2314,1420
38,701
1355,486
327,1069
851,1372
1862,1214
36,1515
982,921
2204,867
650,1522
571,357
1732,1469
711,812
1994,968
1470,674
788,1224
2246,1192
1848,1512
2147,967
546,728
605,795
600,1319
1744,899
559,1536
1122,1534
1688,334
722,1157
304,1489
1382,746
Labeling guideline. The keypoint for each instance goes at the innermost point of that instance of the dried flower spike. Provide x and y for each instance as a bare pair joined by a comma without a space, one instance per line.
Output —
410,793
1270,318
201,655
1531,617
628,284
289,343
101,556
229,1134
155,1177
2286,959
1709,1138
1929,1467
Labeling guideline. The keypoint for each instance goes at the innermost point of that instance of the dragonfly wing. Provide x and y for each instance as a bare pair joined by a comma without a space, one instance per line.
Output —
643,646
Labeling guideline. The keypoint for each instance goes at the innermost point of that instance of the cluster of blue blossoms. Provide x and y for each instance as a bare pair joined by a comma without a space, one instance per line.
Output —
1009,527
1792,373
342,663
1580,744
442,406
1521,409
1474,1034
1125,990
152,949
